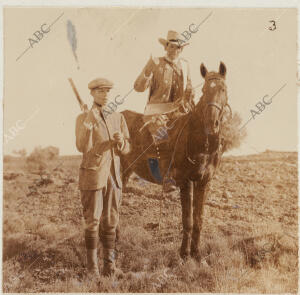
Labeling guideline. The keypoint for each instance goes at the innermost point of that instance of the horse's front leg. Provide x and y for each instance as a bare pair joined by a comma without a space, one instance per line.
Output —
199,197
186,196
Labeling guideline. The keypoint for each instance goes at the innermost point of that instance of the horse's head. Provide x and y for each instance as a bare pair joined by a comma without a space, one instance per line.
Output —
211,105
206,122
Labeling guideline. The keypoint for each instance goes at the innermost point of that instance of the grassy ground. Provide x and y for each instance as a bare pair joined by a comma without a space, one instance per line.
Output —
249,239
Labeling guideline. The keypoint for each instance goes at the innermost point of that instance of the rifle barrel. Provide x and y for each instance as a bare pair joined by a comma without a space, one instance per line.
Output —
76,93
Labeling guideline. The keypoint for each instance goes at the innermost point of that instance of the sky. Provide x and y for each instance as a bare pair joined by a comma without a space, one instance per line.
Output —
40,107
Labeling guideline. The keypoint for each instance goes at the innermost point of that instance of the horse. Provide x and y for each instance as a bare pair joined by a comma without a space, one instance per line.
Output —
191,155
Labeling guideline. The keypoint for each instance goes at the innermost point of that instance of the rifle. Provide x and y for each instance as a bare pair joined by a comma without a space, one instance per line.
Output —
82,105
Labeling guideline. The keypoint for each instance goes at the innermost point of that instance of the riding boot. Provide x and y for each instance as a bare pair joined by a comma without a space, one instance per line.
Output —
109,263
91,253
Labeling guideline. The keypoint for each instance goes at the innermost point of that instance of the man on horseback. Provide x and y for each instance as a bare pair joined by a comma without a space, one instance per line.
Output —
168,78
171,93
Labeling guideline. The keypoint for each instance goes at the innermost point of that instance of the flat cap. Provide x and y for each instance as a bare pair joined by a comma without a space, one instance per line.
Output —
100,83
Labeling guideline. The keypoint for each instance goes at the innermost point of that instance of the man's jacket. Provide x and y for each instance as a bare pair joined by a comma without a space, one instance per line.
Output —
168,82
99,149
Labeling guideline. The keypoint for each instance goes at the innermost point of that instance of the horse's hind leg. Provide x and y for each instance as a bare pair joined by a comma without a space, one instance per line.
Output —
198,204
186,195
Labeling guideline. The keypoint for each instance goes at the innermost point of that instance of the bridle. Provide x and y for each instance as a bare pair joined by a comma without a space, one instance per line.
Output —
221,109
216,105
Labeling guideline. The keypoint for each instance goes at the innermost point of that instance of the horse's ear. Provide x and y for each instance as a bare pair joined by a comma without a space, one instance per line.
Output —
222,69
203,70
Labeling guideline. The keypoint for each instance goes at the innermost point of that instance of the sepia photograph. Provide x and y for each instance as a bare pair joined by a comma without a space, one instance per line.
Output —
150,149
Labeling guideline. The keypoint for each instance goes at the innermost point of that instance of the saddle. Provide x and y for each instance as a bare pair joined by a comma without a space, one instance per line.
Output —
158,116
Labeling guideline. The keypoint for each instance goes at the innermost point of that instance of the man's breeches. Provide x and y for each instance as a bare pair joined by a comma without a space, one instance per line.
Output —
103,203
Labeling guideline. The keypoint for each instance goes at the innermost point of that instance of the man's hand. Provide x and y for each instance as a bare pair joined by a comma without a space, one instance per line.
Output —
149,67
85,108
89,125
90,117
88,122
119,138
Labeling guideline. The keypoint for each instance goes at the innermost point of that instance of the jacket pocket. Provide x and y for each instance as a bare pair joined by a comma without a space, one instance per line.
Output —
91,160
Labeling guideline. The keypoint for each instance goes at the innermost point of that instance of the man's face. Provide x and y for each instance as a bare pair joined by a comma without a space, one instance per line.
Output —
100,95
173,50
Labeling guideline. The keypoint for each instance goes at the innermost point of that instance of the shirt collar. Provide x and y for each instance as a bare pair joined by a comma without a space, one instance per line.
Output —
99,107
174,62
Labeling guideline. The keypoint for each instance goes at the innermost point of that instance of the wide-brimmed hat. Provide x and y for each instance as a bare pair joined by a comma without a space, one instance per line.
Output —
173,37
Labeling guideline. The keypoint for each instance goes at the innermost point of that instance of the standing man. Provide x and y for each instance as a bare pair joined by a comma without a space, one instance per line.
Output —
168,78
101,140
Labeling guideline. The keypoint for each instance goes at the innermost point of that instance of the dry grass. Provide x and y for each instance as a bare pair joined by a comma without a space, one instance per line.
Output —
252,205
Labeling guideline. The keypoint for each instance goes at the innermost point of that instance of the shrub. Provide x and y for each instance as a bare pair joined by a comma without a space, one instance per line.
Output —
231,132
39,159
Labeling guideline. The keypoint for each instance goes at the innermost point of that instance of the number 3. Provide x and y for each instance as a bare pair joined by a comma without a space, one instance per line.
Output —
273,27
